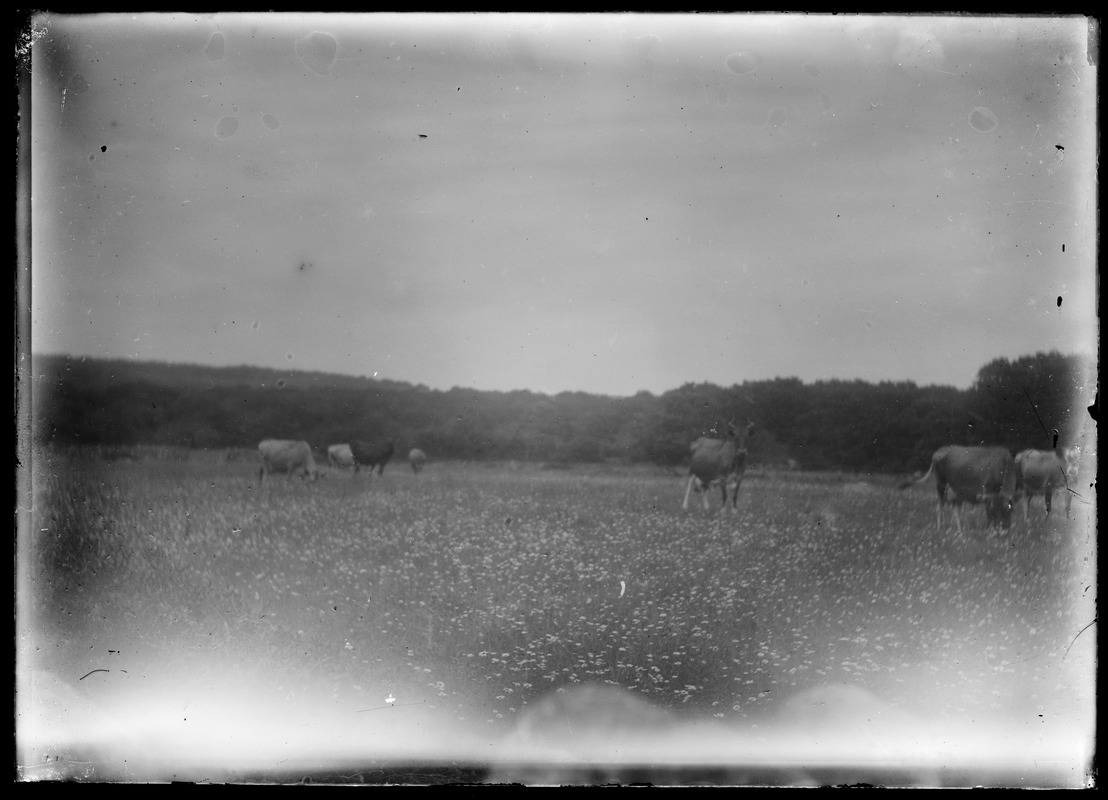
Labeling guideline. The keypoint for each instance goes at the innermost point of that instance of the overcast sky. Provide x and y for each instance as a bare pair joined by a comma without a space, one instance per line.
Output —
589,203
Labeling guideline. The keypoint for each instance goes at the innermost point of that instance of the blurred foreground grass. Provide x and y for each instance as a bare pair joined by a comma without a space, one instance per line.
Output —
473,590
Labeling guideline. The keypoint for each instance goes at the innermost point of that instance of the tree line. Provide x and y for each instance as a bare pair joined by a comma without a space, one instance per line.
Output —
825,425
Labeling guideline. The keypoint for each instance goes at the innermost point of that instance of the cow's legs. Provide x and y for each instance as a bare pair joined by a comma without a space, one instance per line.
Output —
735,495
957,518
688,489
1048,494
940,490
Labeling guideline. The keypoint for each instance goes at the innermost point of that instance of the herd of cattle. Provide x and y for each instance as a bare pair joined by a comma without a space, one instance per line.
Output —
294,457
988,475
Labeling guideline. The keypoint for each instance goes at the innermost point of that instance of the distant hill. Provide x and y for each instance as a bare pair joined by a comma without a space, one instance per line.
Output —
100,373
827,425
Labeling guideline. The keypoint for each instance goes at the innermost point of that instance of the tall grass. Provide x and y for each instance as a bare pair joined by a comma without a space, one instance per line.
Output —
483,588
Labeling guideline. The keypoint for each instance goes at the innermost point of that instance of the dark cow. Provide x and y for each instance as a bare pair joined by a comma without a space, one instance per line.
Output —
339,456
286,455
974,475
372,454
1041,472
417,458
722,461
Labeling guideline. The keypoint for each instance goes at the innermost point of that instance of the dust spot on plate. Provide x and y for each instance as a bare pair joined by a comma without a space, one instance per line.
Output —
77,84
983,120
271,122
317,52
214,50
742,63
226,127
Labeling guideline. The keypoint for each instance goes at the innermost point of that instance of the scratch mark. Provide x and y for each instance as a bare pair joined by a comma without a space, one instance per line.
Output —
1040,419
1091,624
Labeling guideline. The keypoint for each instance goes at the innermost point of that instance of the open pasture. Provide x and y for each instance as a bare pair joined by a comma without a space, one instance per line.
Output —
415,616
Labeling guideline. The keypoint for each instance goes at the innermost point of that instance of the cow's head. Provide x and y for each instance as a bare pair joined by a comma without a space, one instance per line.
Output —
733,432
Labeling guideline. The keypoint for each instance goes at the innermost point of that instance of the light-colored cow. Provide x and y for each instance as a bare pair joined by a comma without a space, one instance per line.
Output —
339,456
417,458
1041,472
974,475
286,455
718,460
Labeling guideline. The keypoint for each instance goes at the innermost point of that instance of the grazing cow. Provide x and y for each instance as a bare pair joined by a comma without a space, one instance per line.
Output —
718,460
288,456
417,458
1041,472
373,454
339,456
974,474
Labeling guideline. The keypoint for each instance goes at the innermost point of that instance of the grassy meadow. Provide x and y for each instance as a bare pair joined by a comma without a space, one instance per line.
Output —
405,613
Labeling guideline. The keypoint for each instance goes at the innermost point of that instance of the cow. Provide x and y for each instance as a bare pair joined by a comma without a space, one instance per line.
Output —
718,460
372,454
974,475
417,458
339,456
288,456
1041,472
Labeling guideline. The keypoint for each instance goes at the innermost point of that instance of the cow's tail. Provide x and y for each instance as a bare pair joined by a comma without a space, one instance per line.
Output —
927,475
1017,469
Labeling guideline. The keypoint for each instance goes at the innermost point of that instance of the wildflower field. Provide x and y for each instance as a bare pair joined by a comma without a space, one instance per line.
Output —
417,609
